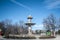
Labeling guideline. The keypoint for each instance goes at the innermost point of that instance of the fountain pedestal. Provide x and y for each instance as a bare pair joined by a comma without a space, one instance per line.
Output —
29,31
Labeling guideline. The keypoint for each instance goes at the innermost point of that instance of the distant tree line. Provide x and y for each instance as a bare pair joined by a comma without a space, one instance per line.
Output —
8,28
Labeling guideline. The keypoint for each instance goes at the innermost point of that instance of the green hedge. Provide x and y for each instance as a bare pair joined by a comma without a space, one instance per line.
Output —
20,37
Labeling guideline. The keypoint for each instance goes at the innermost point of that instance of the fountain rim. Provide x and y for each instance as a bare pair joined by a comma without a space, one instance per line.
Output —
30,23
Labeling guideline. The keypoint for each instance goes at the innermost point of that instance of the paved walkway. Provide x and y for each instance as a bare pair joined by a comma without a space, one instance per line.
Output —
57,38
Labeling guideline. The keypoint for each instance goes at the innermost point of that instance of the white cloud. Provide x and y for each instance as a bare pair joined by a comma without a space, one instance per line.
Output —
51,4
20,4
38,27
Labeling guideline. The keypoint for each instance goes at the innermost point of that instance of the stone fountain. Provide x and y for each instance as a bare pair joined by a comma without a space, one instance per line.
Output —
29,24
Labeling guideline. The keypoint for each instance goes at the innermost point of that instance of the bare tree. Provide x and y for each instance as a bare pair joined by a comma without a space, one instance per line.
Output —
23,27
50,22
59,23
58,26
2,27
46,25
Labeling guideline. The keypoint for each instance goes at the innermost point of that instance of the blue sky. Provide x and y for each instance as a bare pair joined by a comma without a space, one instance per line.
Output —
16,10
